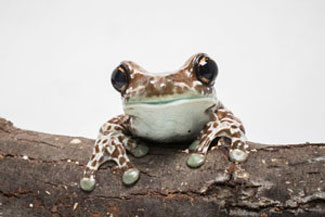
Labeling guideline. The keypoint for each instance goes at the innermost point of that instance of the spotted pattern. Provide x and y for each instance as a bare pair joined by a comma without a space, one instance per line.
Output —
112,142
144,85
222,124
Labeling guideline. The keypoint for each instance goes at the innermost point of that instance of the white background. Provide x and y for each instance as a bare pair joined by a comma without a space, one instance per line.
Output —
56,58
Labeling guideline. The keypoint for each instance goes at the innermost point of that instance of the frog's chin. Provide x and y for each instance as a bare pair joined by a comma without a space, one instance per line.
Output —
172,120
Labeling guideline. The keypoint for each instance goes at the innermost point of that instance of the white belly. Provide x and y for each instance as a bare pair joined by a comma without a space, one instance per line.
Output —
175,121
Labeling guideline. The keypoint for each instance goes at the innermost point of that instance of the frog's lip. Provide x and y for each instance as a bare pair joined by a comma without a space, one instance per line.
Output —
164,101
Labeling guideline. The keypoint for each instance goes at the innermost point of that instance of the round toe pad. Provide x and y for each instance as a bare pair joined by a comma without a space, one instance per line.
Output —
238,155
87,184
196,160
130,176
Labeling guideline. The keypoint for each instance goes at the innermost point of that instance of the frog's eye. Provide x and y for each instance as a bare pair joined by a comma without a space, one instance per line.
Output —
120,78
206,70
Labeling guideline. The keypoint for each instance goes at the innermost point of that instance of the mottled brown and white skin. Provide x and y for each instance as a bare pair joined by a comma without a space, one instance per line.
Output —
178,106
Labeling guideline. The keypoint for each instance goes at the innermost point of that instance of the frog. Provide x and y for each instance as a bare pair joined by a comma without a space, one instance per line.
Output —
179,106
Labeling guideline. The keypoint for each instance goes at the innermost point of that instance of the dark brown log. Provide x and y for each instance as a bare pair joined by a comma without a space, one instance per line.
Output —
40,173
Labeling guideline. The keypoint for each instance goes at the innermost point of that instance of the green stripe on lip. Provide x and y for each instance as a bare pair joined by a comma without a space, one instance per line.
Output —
166,101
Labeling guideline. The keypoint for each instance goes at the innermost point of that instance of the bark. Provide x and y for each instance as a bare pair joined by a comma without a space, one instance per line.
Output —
40,173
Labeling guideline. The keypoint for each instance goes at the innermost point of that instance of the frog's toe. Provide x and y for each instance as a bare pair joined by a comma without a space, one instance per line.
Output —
196,160
87,184
130,176
238,155
140,151
193,146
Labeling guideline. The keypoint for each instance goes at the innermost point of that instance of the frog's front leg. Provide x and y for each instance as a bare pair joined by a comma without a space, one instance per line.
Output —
112,142
222,124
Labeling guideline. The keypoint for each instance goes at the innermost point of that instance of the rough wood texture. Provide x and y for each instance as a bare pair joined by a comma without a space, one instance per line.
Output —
39,176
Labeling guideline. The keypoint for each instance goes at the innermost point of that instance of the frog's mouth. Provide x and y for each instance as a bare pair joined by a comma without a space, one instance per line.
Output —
159,101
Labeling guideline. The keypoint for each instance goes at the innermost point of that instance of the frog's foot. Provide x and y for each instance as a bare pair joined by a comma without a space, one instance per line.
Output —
130,176
140,150
237,155
87,184
196,160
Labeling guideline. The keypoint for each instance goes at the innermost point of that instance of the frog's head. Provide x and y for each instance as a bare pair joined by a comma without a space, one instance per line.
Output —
194,80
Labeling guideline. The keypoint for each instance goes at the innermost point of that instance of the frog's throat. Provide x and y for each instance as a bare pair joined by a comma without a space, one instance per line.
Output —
180,119
167,100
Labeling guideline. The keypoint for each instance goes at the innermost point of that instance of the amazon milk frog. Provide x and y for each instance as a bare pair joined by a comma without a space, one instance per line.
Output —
169,107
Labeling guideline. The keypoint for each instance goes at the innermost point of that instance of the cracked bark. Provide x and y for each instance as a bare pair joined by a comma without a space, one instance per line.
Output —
39,176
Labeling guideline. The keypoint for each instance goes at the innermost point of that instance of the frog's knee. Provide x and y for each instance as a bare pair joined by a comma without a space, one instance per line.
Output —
140,151
130,176
87,184
196,160
237,155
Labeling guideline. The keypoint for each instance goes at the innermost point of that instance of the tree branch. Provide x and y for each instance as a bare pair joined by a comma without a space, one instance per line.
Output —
40,173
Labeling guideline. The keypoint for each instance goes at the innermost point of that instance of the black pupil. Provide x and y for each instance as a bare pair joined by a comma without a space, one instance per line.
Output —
208,69
119,78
